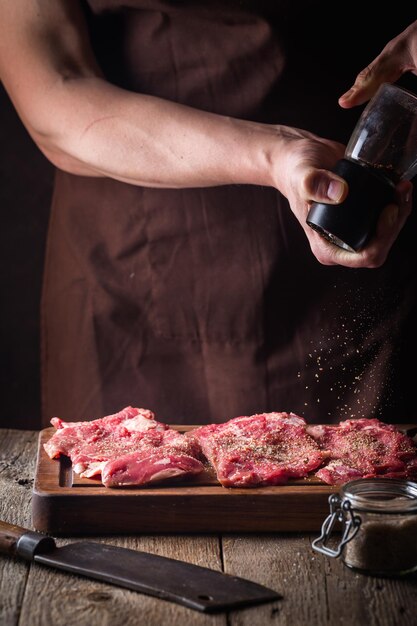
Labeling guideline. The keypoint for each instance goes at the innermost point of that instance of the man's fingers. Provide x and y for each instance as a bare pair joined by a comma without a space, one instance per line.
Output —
390,223
324,186
385,69
358,94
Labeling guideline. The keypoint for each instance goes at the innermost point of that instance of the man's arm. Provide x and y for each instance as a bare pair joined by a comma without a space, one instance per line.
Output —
85,125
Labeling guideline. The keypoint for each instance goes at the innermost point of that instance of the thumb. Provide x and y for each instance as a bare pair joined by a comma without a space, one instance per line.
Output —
324,186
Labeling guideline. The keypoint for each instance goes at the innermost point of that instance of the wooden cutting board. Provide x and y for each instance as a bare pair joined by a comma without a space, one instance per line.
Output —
64,504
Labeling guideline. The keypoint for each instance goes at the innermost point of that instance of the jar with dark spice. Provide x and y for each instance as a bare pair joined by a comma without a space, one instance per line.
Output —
378,520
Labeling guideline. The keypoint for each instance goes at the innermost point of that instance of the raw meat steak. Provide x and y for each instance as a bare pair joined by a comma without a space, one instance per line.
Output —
264,449
127,448
364,448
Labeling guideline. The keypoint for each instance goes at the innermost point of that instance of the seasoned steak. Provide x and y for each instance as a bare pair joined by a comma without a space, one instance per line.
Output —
127,448
364,448
264,449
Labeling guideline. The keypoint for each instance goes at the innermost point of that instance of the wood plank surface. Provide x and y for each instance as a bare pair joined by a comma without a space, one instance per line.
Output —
287,564
35,595
316,590
17,466
61,599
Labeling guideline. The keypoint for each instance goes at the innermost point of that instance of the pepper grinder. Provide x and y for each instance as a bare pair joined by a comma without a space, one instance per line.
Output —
381,151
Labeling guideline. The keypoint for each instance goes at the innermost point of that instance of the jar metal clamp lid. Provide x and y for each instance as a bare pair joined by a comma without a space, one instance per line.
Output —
378,520
340,511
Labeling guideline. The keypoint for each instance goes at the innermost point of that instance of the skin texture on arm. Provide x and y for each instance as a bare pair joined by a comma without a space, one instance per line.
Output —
84,124
87,126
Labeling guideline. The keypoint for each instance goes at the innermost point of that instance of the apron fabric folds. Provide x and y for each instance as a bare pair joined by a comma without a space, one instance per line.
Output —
205,304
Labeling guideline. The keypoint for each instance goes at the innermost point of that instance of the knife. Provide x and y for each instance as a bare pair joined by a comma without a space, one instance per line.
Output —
193,586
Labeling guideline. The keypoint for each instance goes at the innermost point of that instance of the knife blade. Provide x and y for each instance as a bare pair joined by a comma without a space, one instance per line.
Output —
193,586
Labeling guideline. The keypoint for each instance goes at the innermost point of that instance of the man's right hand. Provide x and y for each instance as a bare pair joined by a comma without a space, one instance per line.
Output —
303,175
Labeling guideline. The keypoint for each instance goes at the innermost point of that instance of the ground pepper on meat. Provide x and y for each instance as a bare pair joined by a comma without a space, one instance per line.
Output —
261,449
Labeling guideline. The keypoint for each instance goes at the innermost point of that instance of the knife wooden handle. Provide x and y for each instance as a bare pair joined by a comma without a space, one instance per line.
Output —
9,536
22,542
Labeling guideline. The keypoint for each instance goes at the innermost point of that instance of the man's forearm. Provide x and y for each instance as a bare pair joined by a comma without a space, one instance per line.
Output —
88,126
94,128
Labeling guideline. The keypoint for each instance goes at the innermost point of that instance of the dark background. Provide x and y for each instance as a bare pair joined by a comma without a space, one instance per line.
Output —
25,191
26,179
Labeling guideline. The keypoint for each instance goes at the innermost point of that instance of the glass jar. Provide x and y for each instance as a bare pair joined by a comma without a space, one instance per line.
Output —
379,526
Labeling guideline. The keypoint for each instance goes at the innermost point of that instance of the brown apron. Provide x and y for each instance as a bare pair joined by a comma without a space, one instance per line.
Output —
205,304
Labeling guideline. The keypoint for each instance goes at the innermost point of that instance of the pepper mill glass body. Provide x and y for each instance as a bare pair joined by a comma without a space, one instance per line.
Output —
382,150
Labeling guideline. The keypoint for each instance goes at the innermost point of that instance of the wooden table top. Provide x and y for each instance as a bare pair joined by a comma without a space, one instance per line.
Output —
316,590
